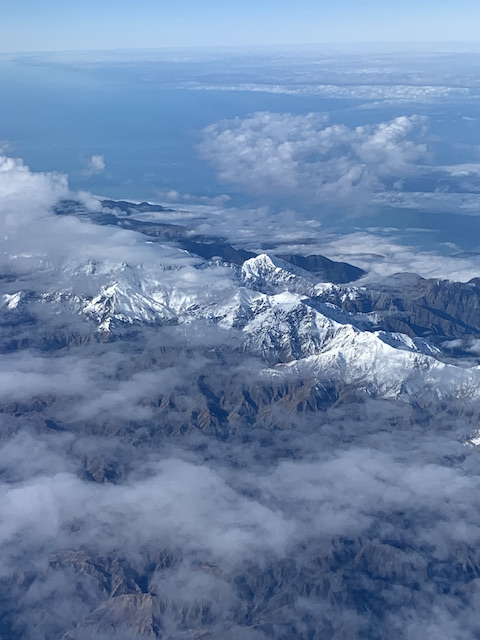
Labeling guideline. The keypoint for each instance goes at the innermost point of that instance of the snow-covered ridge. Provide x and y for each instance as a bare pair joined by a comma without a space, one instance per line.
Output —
271,270
275,309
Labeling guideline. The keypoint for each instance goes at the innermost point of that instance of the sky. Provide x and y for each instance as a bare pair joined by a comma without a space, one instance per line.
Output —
55,25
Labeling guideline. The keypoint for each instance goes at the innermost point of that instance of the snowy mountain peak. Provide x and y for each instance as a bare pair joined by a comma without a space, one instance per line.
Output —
271,274
265,264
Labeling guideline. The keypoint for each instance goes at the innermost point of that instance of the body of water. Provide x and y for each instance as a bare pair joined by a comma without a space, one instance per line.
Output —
57,116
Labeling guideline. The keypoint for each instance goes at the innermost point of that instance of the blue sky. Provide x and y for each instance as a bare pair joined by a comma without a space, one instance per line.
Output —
56,25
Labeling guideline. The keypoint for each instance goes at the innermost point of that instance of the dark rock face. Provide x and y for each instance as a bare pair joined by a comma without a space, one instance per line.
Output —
221,250
437,309
326,270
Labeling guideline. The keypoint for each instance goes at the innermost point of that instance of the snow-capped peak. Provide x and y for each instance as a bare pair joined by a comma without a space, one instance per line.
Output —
272,274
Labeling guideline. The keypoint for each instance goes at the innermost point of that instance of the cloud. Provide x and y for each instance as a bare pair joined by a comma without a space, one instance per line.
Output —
382,254
340,517
303,161
182,503
382,251
20,189
94,165
183,198
308,160
392,93
35,240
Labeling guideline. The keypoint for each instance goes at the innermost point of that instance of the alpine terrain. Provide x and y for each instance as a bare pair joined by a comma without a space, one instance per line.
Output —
201,441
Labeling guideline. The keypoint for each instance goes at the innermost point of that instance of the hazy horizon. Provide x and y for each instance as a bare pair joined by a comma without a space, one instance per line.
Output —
91,25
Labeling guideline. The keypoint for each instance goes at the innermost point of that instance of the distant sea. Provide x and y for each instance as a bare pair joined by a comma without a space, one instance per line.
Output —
55,117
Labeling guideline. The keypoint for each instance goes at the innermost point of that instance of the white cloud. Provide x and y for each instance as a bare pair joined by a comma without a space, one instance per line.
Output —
305,158
395,93
187,199
181,503
95,165
431,201
34,239
379,250
24,194
384,256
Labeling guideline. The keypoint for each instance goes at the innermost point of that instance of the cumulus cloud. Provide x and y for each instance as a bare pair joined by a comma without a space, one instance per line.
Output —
300,161
94,165
305,158
21,190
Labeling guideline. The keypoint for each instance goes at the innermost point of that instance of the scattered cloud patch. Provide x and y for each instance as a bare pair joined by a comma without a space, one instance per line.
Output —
173,196
95,165
394,93
384,255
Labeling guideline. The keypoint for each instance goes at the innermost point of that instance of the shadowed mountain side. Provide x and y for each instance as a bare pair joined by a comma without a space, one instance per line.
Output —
315,594
325,269
221,399
204,246
436,309
325,587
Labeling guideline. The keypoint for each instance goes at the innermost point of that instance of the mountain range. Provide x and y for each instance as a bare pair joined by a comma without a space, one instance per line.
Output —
208,383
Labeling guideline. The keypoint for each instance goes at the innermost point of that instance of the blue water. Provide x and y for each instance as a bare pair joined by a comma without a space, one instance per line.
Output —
56,116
